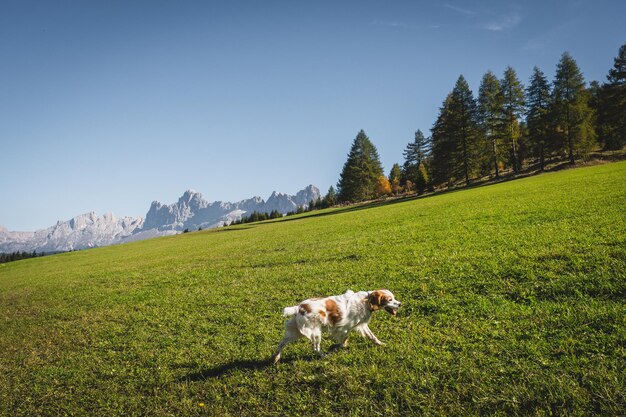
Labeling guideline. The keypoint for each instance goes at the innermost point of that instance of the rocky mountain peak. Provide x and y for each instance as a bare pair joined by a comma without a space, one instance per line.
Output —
191,211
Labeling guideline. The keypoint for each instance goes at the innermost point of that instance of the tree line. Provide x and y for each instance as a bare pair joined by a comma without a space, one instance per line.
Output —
17,256
257,216
504,128
329,200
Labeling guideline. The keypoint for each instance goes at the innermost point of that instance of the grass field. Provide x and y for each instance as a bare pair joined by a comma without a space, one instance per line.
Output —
514,302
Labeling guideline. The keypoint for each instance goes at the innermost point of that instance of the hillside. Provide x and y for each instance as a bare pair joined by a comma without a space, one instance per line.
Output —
514,302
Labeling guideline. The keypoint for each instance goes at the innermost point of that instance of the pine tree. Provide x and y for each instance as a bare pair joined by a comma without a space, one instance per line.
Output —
455,136
331,197
597,104
465,114
490,112
395,176
360,172
396,172
443,145
513,105
538,98
422,179
571,109
612,112
415,154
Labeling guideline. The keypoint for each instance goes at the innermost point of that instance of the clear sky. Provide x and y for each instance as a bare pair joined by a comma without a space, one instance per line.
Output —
108,105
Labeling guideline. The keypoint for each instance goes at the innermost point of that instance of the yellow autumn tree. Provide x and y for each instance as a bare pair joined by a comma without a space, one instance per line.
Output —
383,187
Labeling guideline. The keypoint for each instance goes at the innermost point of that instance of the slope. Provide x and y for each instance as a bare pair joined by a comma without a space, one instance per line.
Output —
513,302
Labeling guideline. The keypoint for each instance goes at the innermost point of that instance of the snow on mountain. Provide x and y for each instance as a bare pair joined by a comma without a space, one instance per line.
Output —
191,211
83,231
305,196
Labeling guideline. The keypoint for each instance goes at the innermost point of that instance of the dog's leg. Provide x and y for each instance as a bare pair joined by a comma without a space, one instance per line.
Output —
341,339
286,340
291,334
365,331
316,340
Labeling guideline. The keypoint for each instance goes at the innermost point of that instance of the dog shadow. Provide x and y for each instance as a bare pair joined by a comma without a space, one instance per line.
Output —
227,368
249,365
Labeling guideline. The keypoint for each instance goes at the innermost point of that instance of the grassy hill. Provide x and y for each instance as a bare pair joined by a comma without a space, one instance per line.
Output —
514,302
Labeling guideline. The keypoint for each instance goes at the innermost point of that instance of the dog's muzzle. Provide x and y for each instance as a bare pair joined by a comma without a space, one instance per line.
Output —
393,310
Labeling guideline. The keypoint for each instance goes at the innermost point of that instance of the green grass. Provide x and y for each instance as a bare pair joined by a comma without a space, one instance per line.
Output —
514,302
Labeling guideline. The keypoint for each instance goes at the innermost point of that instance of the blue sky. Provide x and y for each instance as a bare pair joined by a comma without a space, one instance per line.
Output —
109,105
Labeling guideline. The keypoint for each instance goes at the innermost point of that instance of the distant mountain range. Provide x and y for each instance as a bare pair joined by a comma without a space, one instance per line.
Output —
190,212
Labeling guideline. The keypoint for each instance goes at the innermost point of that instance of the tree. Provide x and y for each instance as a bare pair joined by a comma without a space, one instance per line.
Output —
443,145
361,171
408,186
513,106
395,176
331,197
415,154
422,179
383,187
572,113
490,112
467,132
598,105
538,102
396,172
455,136
612,112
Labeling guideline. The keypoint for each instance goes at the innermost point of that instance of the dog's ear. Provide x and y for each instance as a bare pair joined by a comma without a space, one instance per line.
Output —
376,300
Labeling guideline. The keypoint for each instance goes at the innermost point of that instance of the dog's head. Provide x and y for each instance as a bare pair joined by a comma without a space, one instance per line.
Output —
383,299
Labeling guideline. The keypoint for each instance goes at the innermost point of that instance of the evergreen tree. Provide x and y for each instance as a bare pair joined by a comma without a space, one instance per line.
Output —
571,109
422,179
415,154
360,172
331,197
396,172
455,136
490,112
443,145
513,106
612,112
597,104
466,120
538,98
395,178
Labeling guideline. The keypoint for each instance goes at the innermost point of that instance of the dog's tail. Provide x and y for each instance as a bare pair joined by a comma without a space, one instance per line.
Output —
290,311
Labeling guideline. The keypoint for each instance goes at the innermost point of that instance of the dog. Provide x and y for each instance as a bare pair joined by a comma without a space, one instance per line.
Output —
339,314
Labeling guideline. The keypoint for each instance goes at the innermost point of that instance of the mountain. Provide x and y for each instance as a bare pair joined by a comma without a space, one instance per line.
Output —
191,211
83,231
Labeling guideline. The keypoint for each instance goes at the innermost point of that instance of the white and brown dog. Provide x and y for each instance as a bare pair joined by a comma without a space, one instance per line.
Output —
339,314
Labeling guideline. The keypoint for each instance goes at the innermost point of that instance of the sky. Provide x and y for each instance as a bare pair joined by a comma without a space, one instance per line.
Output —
108,105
